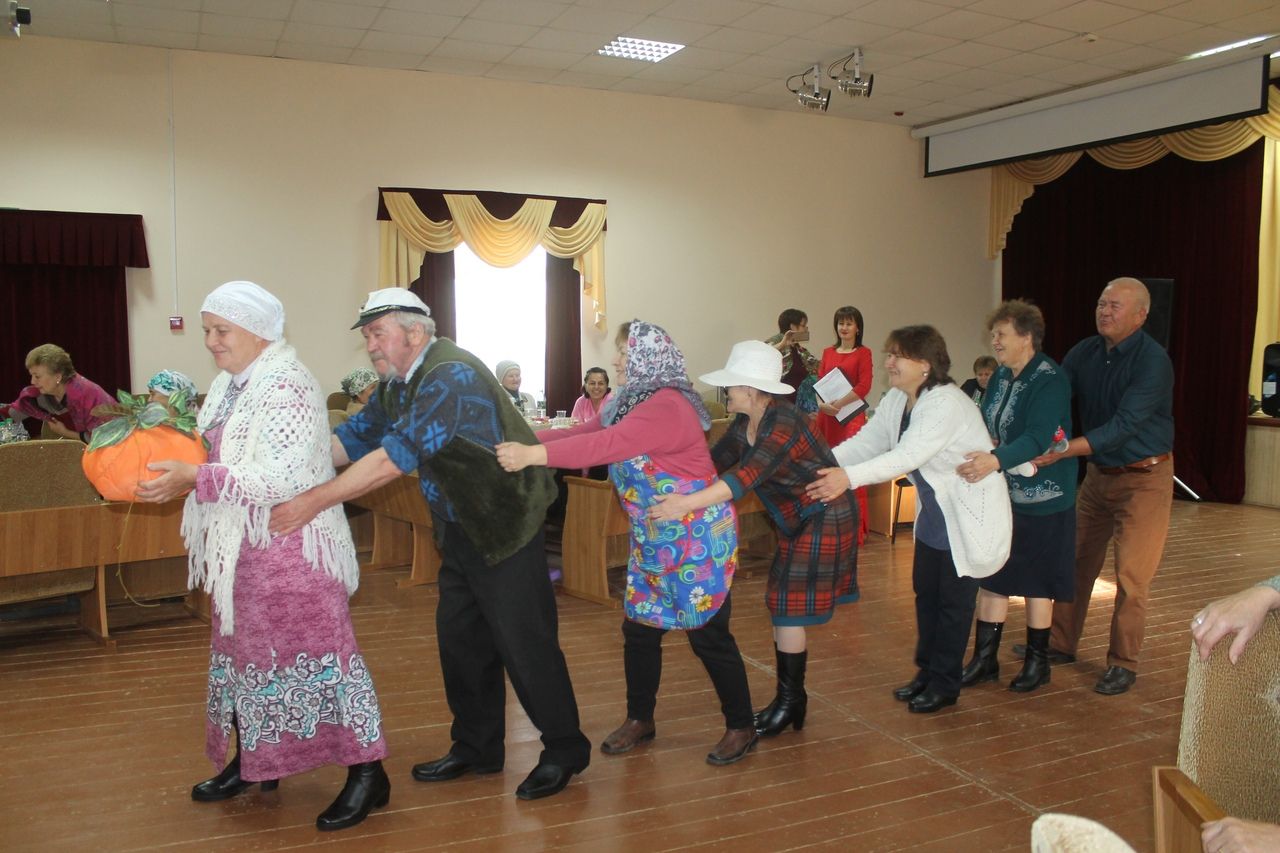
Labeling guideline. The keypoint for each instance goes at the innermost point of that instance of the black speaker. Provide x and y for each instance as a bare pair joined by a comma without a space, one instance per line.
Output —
1160,317
1270,373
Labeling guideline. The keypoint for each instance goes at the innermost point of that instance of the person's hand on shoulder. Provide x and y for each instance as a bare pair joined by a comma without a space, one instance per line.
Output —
513,456
830,484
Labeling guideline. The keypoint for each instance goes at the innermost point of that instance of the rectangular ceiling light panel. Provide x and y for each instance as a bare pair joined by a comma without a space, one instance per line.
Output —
649,51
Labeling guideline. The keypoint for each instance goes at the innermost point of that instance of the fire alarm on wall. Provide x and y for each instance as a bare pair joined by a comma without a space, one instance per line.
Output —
175,324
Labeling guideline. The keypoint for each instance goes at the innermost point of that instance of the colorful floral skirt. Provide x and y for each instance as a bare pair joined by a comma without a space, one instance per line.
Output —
678,572
291,677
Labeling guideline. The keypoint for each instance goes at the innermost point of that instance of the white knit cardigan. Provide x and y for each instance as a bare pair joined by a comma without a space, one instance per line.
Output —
275,445
945,425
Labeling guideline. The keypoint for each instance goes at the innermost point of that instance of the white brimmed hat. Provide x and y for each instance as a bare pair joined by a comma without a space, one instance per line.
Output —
751,363
390,299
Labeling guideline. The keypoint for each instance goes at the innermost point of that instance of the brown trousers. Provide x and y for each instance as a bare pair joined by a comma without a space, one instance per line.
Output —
1133,509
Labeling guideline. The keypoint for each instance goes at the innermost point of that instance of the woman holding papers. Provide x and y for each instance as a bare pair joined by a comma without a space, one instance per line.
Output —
845,376
772,451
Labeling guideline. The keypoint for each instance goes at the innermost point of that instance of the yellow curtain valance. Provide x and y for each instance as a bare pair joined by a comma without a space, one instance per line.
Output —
1014,183
500,242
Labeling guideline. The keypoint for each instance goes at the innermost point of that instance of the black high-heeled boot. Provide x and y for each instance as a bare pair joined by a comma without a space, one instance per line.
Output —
767,710
367,788
983,666
789,706
1035,666
227,784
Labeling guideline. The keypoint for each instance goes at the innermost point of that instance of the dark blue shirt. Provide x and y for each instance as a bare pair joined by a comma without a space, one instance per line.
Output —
1125,397
452,403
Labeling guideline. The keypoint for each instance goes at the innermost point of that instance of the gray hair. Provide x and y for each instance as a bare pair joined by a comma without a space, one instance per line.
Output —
408,320
1137,286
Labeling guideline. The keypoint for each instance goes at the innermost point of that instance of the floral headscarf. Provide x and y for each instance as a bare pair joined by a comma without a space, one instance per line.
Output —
358,380
654,362
170,382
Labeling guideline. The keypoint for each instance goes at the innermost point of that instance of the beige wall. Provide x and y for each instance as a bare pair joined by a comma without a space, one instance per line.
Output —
719,216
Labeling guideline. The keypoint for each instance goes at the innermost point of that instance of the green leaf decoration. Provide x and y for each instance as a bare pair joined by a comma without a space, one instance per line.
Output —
112,432
153,415
179,401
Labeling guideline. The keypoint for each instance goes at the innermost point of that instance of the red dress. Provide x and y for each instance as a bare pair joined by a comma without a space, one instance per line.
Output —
857,369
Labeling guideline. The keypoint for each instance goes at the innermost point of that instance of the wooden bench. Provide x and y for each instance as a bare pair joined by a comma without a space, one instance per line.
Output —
597,536
402,530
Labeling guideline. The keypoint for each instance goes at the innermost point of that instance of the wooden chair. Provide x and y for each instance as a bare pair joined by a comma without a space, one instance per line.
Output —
715,408
1229,748
899,485
336,419
337,400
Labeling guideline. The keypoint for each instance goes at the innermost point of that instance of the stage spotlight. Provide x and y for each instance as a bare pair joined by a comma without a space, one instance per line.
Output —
815,98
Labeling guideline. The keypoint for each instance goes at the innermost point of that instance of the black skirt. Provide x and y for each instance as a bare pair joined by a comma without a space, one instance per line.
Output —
1042,558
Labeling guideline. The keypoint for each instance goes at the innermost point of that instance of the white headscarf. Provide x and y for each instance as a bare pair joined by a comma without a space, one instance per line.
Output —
249,306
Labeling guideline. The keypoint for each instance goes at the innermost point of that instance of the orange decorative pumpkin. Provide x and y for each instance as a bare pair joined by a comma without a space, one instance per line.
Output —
142,432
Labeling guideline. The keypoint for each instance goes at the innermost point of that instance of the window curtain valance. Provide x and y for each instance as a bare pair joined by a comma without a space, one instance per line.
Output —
56,238
501,228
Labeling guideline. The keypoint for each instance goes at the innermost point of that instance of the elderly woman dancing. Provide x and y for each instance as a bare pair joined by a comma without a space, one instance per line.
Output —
924,428
1027,406
777,455
285,672
678,573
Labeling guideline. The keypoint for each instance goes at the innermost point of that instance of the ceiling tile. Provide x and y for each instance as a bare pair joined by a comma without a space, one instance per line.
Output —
454,8
398,21
1147,29
597,21
982,100
492,32
299,34
477,51
850,32
1026,36
535,58
276,10
399,43
740,41
981,78
963,24
670,30
1027,87
226,25
718,12
637,86
1078,73
1216,11
586,81
82,11
157,38
73,29
972,54
807,51
1088,16
890,84
1137,58
186,5
521,73
701,57
827,7
1028,64
237,44
631,7
911,43
898,13
1259,23
772,19
332,14
1023,10
761,101
567,40
385,59
670,74
763,66
736,82
1194,41
455,65
614,66
312,52
1147,5
925,70
1079,50
935,91
147,17
537,13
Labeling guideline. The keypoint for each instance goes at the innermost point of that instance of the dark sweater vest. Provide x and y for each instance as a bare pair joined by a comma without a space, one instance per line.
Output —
499,512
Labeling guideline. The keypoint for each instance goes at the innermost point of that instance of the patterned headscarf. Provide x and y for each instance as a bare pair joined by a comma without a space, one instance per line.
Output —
249,306
654,362
358,380
170,382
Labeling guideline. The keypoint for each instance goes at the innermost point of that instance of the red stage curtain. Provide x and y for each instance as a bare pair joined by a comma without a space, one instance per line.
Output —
1196,223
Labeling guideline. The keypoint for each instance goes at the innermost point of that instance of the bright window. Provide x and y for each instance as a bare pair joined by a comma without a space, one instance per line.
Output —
502,314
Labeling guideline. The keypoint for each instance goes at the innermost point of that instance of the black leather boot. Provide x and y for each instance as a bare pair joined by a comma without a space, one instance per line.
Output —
789,706
227,784
367,788
983,666
768,710
1035,666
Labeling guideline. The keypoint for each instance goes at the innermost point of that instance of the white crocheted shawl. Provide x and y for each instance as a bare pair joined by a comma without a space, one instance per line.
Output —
275,445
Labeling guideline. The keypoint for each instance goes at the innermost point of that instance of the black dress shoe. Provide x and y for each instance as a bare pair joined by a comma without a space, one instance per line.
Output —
367,788
1055,656
451,767
227,784
545,780
913,688
1115,680
928,702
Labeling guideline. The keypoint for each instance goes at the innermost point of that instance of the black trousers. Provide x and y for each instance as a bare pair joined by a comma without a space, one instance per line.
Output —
496,618
715,647
944,614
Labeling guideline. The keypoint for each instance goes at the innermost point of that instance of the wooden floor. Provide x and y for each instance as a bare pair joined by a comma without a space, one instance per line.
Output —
100,749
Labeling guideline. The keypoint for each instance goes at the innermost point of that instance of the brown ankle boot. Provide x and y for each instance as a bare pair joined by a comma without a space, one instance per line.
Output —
627,736
734,746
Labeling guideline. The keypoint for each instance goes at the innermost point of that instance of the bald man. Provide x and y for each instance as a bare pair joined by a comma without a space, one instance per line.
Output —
1123,384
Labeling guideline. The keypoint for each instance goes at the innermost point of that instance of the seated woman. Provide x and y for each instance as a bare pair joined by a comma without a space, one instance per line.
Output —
58,395
508,373
595,393
678,573
359,385
166,383
924,428
777,455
